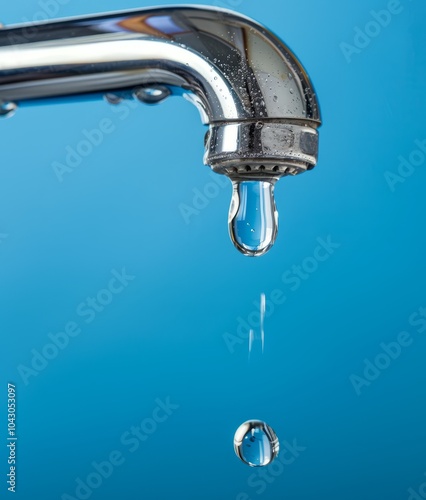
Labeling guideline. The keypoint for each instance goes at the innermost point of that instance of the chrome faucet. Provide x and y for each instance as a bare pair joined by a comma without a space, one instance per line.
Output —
250,90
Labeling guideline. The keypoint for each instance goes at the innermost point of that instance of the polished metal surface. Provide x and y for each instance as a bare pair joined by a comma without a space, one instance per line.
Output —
232,68
250,89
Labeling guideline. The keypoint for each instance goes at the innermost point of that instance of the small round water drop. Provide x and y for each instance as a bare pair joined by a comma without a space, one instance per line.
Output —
253,217
7,108
153,94
256,444
112,98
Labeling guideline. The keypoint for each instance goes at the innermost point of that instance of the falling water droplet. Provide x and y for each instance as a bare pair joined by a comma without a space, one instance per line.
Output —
253,218
262,318
255,443
257,339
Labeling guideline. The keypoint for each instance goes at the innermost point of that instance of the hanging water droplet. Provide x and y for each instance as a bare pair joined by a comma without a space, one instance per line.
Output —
112,98
7,109
291,91
152,95
255,443
253,218
275,98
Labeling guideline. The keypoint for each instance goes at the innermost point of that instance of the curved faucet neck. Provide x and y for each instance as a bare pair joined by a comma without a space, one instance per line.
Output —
228,61
261,108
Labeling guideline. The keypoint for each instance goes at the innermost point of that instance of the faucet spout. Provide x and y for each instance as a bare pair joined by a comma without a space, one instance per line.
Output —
251,91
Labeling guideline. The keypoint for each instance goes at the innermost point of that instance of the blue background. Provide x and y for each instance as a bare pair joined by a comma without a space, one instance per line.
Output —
163,336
